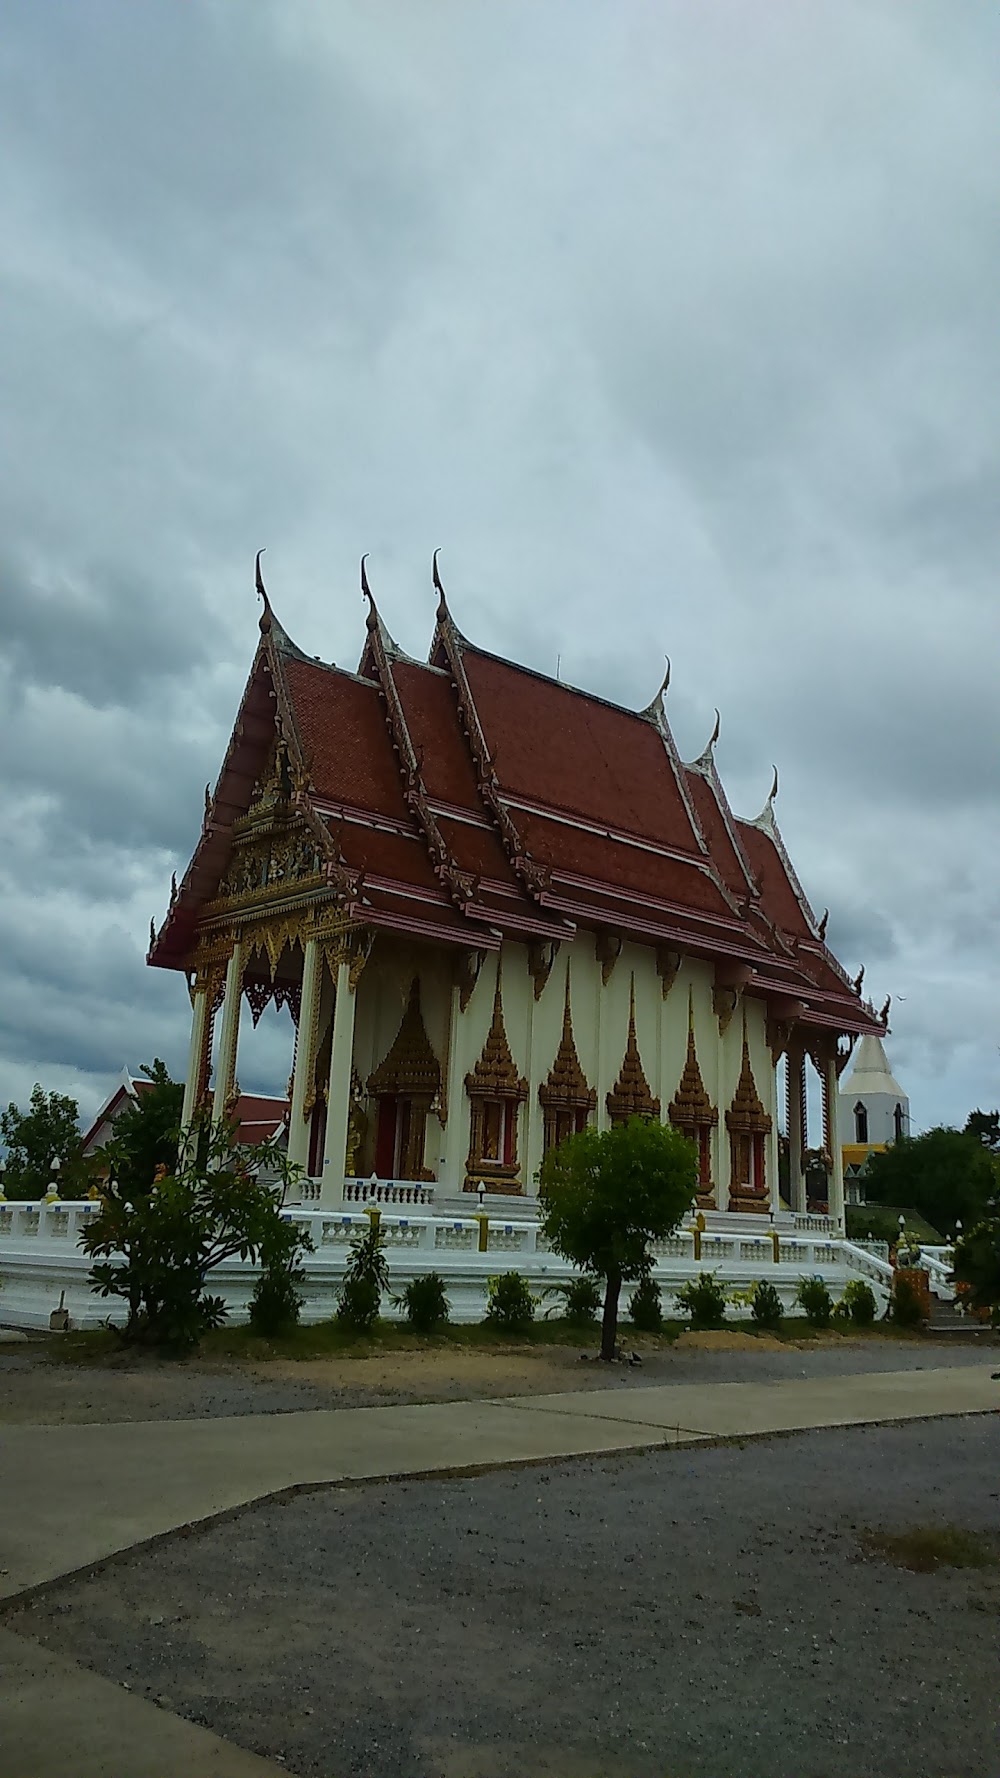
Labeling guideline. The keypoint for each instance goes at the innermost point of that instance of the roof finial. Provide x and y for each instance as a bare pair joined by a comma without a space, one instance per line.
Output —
654,709
442,609
859,978
366,593
884,1014
266,614
152,933
821,929
774,786
714,736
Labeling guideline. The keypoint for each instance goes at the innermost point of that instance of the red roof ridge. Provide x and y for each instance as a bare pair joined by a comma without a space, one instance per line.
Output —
766,823
462,888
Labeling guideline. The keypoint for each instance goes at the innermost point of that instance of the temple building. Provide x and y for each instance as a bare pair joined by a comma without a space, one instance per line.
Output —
499,909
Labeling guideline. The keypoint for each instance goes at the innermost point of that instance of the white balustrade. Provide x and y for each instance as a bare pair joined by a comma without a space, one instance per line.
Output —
387,1191
40,1256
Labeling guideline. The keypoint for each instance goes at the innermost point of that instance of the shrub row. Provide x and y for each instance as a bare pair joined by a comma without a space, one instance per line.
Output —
511,1304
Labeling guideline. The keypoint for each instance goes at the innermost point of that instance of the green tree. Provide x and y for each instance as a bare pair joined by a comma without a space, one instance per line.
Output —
604,1195
147,1132
42,1143
985,1126
947,1175
977,1266
158,1250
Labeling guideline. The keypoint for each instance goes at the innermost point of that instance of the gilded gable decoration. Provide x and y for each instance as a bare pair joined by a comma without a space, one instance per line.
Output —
724,1003
631,1095
565,1095
607,949
541,957
410,1069
496,1093
692,1112
467,967
668,963
749,1125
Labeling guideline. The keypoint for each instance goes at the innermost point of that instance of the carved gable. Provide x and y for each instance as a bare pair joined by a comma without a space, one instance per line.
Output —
631,1095
411,1070
691,1105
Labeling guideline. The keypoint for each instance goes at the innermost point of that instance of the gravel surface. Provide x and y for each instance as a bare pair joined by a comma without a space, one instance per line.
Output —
701,1613
36,1389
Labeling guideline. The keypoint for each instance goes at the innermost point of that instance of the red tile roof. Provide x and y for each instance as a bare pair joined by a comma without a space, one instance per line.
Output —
471,797
341,721
556,746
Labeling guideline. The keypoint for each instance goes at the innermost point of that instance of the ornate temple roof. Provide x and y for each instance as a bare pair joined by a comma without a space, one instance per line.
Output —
468,798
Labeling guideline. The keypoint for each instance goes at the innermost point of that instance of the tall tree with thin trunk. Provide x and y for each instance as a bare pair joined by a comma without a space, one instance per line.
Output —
604,1195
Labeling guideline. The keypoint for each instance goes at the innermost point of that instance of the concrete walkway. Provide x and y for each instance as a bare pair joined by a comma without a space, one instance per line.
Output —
74,1495
61,1721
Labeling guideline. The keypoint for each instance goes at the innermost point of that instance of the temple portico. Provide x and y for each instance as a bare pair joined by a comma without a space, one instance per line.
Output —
498,910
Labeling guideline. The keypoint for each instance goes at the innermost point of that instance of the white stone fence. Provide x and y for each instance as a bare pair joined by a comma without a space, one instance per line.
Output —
41,1263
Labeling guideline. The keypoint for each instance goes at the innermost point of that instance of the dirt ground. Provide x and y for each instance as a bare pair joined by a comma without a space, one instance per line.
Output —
36,1388
690,1613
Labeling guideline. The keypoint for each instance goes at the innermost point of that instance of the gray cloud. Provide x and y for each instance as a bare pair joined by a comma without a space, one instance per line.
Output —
674,325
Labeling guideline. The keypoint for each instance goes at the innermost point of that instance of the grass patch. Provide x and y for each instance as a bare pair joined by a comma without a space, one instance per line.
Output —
329,1339
926,1548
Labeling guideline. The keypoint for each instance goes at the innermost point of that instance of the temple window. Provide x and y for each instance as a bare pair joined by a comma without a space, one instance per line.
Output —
565,1097
406,1085
691,1112
496,1093
861,1122
749,1125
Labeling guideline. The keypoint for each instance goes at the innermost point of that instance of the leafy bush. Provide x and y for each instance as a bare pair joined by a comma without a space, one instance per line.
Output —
813,1297
977,1267
905,1307
158,1250
859,1301
767,1308
644,1310
581,1299
425,1301
509,1303
704,1299
367,1276
276,1305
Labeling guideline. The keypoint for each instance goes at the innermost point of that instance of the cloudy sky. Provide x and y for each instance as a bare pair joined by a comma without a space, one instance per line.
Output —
673,323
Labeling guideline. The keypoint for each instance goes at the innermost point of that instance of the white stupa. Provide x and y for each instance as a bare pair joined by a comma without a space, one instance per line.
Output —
874,1110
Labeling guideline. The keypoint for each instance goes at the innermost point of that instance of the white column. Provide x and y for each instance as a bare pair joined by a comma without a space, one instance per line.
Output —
229,1037
305,1057
532,1125
196,1054
796,1064
455,1135
773,1176
338,1098
831,1087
